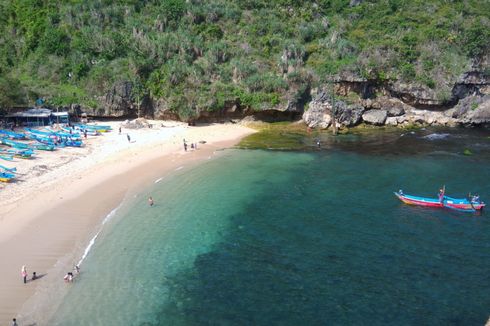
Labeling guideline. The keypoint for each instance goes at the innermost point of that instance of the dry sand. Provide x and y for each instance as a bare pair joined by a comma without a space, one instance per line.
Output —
49,214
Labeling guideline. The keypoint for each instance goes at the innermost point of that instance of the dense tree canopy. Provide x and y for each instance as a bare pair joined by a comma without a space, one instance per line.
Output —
203,54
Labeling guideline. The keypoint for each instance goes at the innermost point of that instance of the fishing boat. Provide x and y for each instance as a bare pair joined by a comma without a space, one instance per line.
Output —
70,134
7,157
22,153
90,132
38,133
6,177
12,135
460,204
98,128
44,147
9,170
14,144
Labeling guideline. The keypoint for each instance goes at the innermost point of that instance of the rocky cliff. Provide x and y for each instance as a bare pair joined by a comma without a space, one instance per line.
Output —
357,100
399,104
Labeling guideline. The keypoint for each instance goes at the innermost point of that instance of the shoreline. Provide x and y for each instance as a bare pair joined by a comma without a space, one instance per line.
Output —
35,230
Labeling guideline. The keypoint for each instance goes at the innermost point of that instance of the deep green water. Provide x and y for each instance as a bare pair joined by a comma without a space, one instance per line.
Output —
307,237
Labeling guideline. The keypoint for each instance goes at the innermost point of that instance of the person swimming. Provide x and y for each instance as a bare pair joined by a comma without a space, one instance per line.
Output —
68,277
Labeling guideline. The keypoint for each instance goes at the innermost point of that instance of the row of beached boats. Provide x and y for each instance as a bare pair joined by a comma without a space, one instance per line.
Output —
47,139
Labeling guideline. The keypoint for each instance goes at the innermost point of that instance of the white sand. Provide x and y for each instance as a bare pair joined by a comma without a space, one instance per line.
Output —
37,224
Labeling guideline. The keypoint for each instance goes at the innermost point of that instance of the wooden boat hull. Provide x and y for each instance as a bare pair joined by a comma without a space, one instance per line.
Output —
460,204
419,201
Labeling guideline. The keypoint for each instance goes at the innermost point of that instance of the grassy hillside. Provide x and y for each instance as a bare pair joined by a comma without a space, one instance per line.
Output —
202,55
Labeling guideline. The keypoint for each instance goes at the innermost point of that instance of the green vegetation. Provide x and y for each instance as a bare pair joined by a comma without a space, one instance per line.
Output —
206,55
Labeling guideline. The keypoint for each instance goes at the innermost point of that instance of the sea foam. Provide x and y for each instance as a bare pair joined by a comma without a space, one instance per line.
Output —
92,241
436,136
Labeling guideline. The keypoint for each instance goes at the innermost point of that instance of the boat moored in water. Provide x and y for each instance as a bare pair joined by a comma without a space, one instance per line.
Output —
460,204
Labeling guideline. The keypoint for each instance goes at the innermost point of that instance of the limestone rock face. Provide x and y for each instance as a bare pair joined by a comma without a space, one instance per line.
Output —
395,121
473,110
480,115
161,111
393,106
317,117
118,102
318,114
348,115
415,95
427,117
475,81
375,117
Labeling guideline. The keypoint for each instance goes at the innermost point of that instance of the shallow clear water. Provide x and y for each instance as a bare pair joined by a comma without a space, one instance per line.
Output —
310,237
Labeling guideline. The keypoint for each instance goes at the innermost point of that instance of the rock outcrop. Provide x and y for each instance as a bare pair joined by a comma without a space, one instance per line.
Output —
473,110
118,100
318,114
348,115
399,104
375,117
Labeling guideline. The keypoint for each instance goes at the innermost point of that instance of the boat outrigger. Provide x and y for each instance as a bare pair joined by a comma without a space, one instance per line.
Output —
460,204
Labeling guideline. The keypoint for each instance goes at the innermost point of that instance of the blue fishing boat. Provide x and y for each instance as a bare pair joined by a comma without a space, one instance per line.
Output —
90,132
6,177
9,170
12,135
98,128
44,147
14,144
7,157
18,152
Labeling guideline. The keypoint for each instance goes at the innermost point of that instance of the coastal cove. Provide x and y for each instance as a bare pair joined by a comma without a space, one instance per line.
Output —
286,236
228,162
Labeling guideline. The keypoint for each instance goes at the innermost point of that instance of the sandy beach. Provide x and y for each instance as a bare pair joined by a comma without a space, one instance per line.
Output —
49,214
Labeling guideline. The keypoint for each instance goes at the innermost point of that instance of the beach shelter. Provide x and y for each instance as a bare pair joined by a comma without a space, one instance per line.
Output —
60,117
30,118
37,117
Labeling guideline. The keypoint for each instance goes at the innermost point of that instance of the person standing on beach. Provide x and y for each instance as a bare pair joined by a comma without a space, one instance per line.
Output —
14,322
119,130
23,272
129,138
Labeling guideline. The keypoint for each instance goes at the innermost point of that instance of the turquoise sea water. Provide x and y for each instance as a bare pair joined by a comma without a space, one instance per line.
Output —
313,237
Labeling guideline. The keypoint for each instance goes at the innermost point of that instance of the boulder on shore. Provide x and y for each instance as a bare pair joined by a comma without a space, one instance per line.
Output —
375,117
